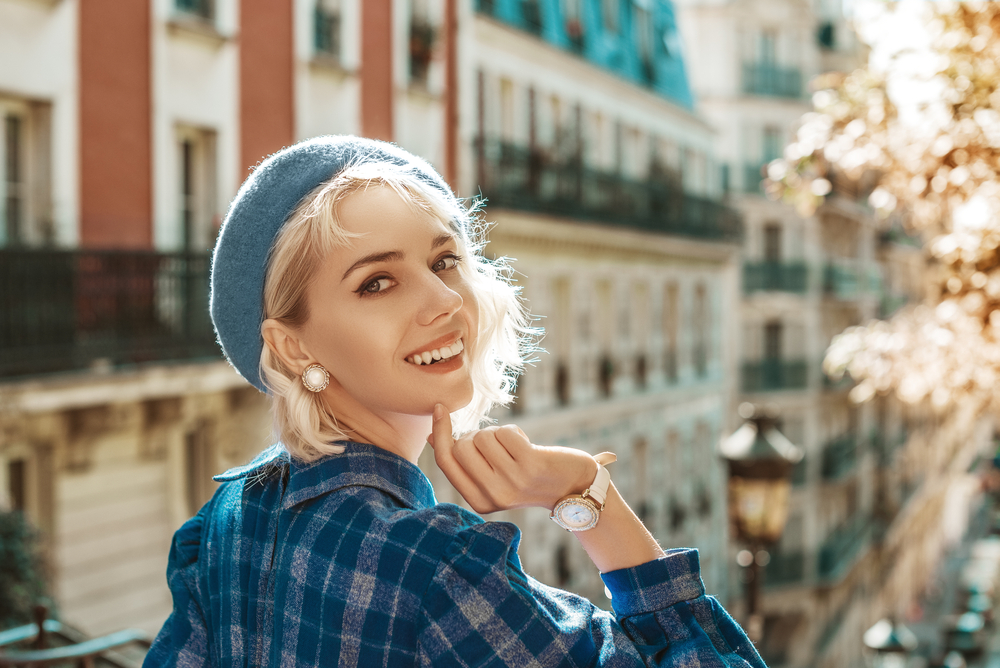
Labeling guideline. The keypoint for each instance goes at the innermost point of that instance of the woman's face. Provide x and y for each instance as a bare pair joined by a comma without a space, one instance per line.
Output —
392,297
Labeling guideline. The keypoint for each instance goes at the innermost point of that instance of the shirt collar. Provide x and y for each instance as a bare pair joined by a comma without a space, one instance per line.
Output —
361,464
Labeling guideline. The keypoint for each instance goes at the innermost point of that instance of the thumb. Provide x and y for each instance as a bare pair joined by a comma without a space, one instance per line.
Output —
441,436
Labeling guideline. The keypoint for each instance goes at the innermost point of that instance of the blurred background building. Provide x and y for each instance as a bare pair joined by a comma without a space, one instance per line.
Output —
620,145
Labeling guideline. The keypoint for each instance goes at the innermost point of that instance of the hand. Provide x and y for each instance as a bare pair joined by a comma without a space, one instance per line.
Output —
498,468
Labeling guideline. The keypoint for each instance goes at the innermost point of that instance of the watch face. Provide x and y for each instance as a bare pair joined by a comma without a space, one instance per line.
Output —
576,514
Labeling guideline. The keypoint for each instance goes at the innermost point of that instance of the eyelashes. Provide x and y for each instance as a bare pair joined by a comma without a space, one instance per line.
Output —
379,284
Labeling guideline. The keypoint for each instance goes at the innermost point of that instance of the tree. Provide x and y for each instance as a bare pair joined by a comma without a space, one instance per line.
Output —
922,123
21,583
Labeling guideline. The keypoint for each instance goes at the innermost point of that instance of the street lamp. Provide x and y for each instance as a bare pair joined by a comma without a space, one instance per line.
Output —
760,462
889,644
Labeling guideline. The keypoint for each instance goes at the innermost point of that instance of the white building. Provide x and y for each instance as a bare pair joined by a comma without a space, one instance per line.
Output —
120,156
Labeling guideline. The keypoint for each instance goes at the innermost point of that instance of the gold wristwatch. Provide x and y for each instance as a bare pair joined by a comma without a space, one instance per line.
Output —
580,512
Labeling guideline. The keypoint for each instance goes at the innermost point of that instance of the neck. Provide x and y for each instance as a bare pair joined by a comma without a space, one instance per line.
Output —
404,435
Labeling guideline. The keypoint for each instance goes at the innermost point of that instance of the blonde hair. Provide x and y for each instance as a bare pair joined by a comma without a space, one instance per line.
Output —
302,419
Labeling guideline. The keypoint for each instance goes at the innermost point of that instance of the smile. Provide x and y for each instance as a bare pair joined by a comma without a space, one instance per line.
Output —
441,354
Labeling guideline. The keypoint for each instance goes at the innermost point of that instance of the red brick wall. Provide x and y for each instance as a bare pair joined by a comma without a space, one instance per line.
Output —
116,189
267,102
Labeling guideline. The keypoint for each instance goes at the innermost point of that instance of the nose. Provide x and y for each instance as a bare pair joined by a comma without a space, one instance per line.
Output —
437,300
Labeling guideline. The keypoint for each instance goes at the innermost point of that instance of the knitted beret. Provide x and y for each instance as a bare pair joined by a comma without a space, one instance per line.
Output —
264,202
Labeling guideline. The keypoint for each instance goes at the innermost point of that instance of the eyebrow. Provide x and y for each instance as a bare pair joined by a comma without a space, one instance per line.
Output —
394,255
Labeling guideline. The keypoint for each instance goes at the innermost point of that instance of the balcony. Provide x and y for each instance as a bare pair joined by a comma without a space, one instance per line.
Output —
775,276
520,178
839,551
753,178
785,568
772,80
848,281
839,457
774,374
65,310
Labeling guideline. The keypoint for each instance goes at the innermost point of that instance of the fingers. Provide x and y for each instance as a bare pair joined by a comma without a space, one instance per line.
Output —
449,459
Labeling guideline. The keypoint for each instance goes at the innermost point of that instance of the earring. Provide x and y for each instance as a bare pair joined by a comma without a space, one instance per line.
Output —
315,378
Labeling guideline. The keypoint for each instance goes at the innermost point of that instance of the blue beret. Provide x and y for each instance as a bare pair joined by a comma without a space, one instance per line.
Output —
264,202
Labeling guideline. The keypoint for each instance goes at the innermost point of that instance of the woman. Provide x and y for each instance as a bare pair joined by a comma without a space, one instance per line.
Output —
348,283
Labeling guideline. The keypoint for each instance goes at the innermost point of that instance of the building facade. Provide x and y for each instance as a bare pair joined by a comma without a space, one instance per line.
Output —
574,120
863,512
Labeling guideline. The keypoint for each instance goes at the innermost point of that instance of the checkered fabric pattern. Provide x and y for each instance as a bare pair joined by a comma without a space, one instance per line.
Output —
350,561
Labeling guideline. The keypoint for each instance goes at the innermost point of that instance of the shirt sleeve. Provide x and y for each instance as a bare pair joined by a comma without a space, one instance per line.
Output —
183,640
481,609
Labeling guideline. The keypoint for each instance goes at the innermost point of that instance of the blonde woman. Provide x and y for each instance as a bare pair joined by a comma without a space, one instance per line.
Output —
348,283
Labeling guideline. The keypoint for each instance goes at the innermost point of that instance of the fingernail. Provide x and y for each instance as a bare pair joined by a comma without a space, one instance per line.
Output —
438,412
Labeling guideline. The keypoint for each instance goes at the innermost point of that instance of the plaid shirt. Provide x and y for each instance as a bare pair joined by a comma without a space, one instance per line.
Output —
350,561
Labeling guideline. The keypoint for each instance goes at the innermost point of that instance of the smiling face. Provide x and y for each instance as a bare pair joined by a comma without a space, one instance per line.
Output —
390,315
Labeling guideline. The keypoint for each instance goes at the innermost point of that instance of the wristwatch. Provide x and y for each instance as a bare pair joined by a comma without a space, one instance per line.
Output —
580,512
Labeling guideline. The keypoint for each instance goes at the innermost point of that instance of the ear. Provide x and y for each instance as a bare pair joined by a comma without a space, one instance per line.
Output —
286,344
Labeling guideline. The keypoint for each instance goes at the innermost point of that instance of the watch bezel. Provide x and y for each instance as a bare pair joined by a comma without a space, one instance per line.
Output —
579,500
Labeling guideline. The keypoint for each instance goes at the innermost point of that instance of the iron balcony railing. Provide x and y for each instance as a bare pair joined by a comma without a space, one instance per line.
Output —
69,309
775,276
785,568
525,179
772,80
753,178
839,551
846,280
774,374
839,456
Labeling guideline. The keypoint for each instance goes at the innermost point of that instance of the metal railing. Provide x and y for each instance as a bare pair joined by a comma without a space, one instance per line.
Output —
776,276
69,309
753,178
785,568
772,80
849,280
520,178
774,374
839,551
839,456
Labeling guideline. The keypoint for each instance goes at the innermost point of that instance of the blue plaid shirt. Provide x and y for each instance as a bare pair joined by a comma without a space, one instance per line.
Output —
350,561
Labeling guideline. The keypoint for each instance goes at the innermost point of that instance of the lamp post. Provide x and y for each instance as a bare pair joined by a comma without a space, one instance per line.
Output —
888,644
760,461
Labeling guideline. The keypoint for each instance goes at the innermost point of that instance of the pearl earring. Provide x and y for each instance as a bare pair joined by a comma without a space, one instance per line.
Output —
315,378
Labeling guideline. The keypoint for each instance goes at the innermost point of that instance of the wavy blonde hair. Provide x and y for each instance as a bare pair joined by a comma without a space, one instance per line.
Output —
302,420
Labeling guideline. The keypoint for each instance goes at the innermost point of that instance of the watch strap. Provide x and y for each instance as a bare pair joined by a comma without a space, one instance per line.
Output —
599,488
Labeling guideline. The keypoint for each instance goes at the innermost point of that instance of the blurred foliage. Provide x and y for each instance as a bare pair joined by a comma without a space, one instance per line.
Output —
923,129
21,584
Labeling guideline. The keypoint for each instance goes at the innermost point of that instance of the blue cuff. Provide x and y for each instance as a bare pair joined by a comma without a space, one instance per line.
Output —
656,585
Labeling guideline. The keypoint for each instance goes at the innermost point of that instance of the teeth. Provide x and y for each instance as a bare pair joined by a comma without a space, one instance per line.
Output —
437,354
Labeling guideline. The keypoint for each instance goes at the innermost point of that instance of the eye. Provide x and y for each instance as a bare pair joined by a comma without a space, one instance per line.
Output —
447,262
375,286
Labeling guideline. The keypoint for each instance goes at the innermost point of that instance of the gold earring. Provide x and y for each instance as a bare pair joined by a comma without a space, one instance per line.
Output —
315,378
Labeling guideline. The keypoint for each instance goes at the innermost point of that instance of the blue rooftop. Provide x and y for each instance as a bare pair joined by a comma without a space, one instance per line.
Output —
634,39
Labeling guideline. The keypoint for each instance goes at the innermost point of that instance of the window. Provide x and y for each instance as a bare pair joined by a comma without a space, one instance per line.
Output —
199,466
200,9
772,340
768,47
611,14
644,43
25,173
326,38
826,35
774,144
423,35
563,571
701,330
16,484
13,178
670,317
197,208
772,242
562,384
573,23
531,14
